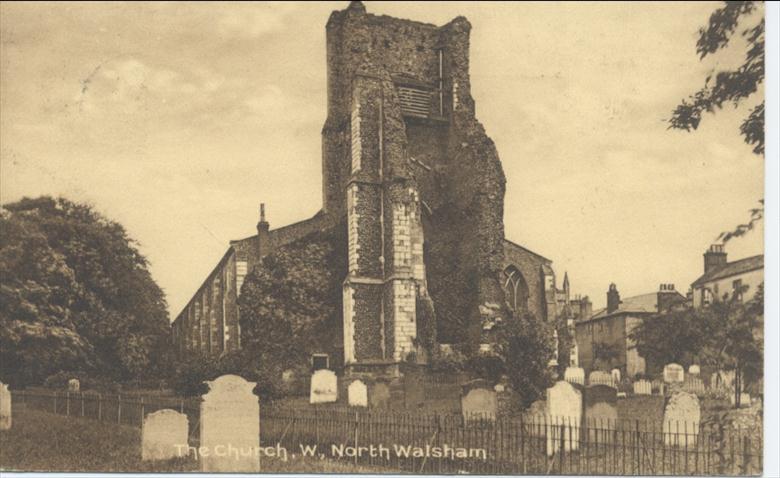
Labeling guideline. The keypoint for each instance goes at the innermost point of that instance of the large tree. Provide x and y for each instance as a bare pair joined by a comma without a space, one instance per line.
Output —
731,87
75,295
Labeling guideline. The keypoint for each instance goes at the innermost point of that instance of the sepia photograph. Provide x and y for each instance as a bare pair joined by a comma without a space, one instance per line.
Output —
386,237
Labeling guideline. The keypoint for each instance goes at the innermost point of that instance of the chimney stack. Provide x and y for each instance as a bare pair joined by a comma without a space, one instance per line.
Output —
613,298
666,297
262,234
714,257
586,308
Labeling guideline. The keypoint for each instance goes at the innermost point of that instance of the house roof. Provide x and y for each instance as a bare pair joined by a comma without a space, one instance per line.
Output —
638,304
731,269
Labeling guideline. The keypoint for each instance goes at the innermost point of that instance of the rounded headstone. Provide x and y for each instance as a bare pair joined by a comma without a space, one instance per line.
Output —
164,435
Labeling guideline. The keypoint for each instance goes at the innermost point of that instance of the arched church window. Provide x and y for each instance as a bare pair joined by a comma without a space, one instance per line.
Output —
515,289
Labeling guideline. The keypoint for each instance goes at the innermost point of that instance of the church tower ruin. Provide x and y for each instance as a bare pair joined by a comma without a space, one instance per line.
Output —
417,180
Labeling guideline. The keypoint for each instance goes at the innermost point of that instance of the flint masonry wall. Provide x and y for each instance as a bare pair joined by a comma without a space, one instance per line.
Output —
452,166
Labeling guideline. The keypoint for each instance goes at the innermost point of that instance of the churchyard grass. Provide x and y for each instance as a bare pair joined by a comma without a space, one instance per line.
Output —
43,441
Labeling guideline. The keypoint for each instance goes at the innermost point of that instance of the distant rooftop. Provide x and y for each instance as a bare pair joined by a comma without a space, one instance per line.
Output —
731,269
638,304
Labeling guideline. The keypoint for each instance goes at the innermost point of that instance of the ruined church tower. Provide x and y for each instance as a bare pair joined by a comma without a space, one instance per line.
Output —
418,183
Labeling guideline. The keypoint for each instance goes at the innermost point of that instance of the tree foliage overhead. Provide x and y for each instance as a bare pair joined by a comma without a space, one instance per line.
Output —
730,86
75,295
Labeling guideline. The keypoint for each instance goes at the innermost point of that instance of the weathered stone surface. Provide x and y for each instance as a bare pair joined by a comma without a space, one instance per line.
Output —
682,418
598,377
324,387
694,370
574,375
5,407
74,385
601,421
564,406
379,395
164,435
600,393
674,373
642,387
357,394
230,416
479,404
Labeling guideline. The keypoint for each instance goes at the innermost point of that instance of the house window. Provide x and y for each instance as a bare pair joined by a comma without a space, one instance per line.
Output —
736,288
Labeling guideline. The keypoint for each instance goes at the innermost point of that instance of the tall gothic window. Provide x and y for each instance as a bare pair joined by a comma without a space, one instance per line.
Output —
515,289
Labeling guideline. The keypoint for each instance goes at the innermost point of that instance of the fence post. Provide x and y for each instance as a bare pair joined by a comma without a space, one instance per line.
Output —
745,454
119,409
563,446
181,406
142,410
100,407
356,437
67,404
55,402
82,404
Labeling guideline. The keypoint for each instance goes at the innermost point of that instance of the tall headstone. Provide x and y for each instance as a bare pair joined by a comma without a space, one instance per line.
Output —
598,377
230,416
357,394
674,373
574,375
324,387
74,385
615,375
601,413
643,387
5,407
164,435
682,417
479,404
564,405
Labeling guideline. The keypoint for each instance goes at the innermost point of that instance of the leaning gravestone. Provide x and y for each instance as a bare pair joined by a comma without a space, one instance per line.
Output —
230,416
324,387
357,394
597,377
164,435
601,413
564,406
5,407
643,387
479,404
74,385
574,375
682,416
674,373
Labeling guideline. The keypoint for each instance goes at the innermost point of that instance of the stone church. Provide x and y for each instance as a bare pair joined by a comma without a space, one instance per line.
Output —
410,173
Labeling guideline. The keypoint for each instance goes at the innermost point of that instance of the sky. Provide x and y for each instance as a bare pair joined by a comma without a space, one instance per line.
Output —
178,119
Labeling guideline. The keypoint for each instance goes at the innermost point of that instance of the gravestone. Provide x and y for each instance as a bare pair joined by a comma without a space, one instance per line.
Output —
597,377
74,385
674,373
643,387
722,380
324,387
5,407
230,416
379,395
164,435
479,404
615,375
414,390
564,406
694,370
600,407
682,416
744,400
357,394
659,387
574,375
